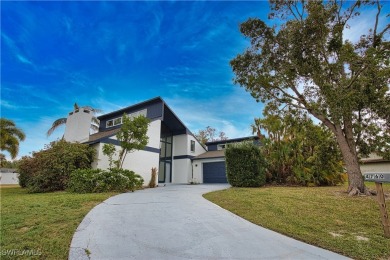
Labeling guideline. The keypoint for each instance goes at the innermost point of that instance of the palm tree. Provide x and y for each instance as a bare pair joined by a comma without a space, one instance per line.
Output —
10,136
62,121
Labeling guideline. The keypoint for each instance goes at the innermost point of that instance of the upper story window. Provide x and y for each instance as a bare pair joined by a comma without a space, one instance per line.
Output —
114,122
221,147
192,146
118,120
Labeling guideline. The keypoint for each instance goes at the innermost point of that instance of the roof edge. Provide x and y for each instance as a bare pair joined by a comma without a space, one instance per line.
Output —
240,139
158,98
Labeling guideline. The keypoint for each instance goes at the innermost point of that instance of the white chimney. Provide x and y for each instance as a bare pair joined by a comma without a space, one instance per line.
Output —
78,125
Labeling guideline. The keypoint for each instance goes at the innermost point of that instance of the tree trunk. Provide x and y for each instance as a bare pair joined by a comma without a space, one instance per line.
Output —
122,158
356,184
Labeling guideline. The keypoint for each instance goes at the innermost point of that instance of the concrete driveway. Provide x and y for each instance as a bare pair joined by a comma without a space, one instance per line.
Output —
176,222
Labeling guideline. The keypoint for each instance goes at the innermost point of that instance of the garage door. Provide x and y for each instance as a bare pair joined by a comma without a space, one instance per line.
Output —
214,172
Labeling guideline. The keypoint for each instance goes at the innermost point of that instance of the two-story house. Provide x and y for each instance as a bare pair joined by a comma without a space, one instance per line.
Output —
170,148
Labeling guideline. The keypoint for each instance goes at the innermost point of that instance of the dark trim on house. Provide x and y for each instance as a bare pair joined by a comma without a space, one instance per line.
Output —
206,158
235,140
178,157
135,107
116,142
156,108
151,149
213,146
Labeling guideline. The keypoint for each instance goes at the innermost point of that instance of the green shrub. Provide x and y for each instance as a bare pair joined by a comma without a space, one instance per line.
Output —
245,166
97,180
135,180
26,170
49,169
298,151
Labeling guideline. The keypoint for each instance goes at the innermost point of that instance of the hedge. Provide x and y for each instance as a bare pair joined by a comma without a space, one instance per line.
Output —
97,180
245,165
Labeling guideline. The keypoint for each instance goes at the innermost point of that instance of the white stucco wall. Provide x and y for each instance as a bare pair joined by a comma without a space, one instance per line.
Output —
181,172
154,132
78,125
141,162
182,168
180,146
9,178
197,166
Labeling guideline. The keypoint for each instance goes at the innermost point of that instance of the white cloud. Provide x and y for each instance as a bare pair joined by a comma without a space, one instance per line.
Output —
10,105
361,24
39,93
23,59
16,51
6,104
231,113
36,138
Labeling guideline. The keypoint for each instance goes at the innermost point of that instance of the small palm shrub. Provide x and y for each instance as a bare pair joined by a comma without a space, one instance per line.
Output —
97,180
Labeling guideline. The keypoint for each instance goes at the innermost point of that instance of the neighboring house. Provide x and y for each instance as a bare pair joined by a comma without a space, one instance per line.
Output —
170,148
210,167
374,163
8,176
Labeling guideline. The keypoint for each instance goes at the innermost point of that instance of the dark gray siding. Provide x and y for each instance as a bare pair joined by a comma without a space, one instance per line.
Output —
214,172
154,110
212,147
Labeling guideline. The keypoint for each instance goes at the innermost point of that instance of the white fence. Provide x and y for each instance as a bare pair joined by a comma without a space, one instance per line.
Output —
9,176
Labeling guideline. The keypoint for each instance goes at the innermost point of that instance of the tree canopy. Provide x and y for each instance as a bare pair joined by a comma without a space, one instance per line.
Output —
132,135
298,151
304,62
209,135
10,137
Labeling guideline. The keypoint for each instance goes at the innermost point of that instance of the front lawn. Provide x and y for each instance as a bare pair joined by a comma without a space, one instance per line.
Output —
321,216
41,226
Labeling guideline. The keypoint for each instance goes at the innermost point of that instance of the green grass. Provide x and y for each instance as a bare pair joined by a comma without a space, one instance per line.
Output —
41,224
321,216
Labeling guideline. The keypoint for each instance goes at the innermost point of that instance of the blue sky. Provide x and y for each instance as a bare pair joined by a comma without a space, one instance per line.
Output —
111,55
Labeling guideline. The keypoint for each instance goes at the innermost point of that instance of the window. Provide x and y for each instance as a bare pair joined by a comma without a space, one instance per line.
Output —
110,123
118,121
192,146
221,147
114,122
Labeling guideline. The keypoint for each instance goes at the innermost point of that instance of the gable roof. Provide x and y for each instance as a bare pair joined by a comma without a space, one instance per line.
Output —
95,138
132,107
211,154
168,117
